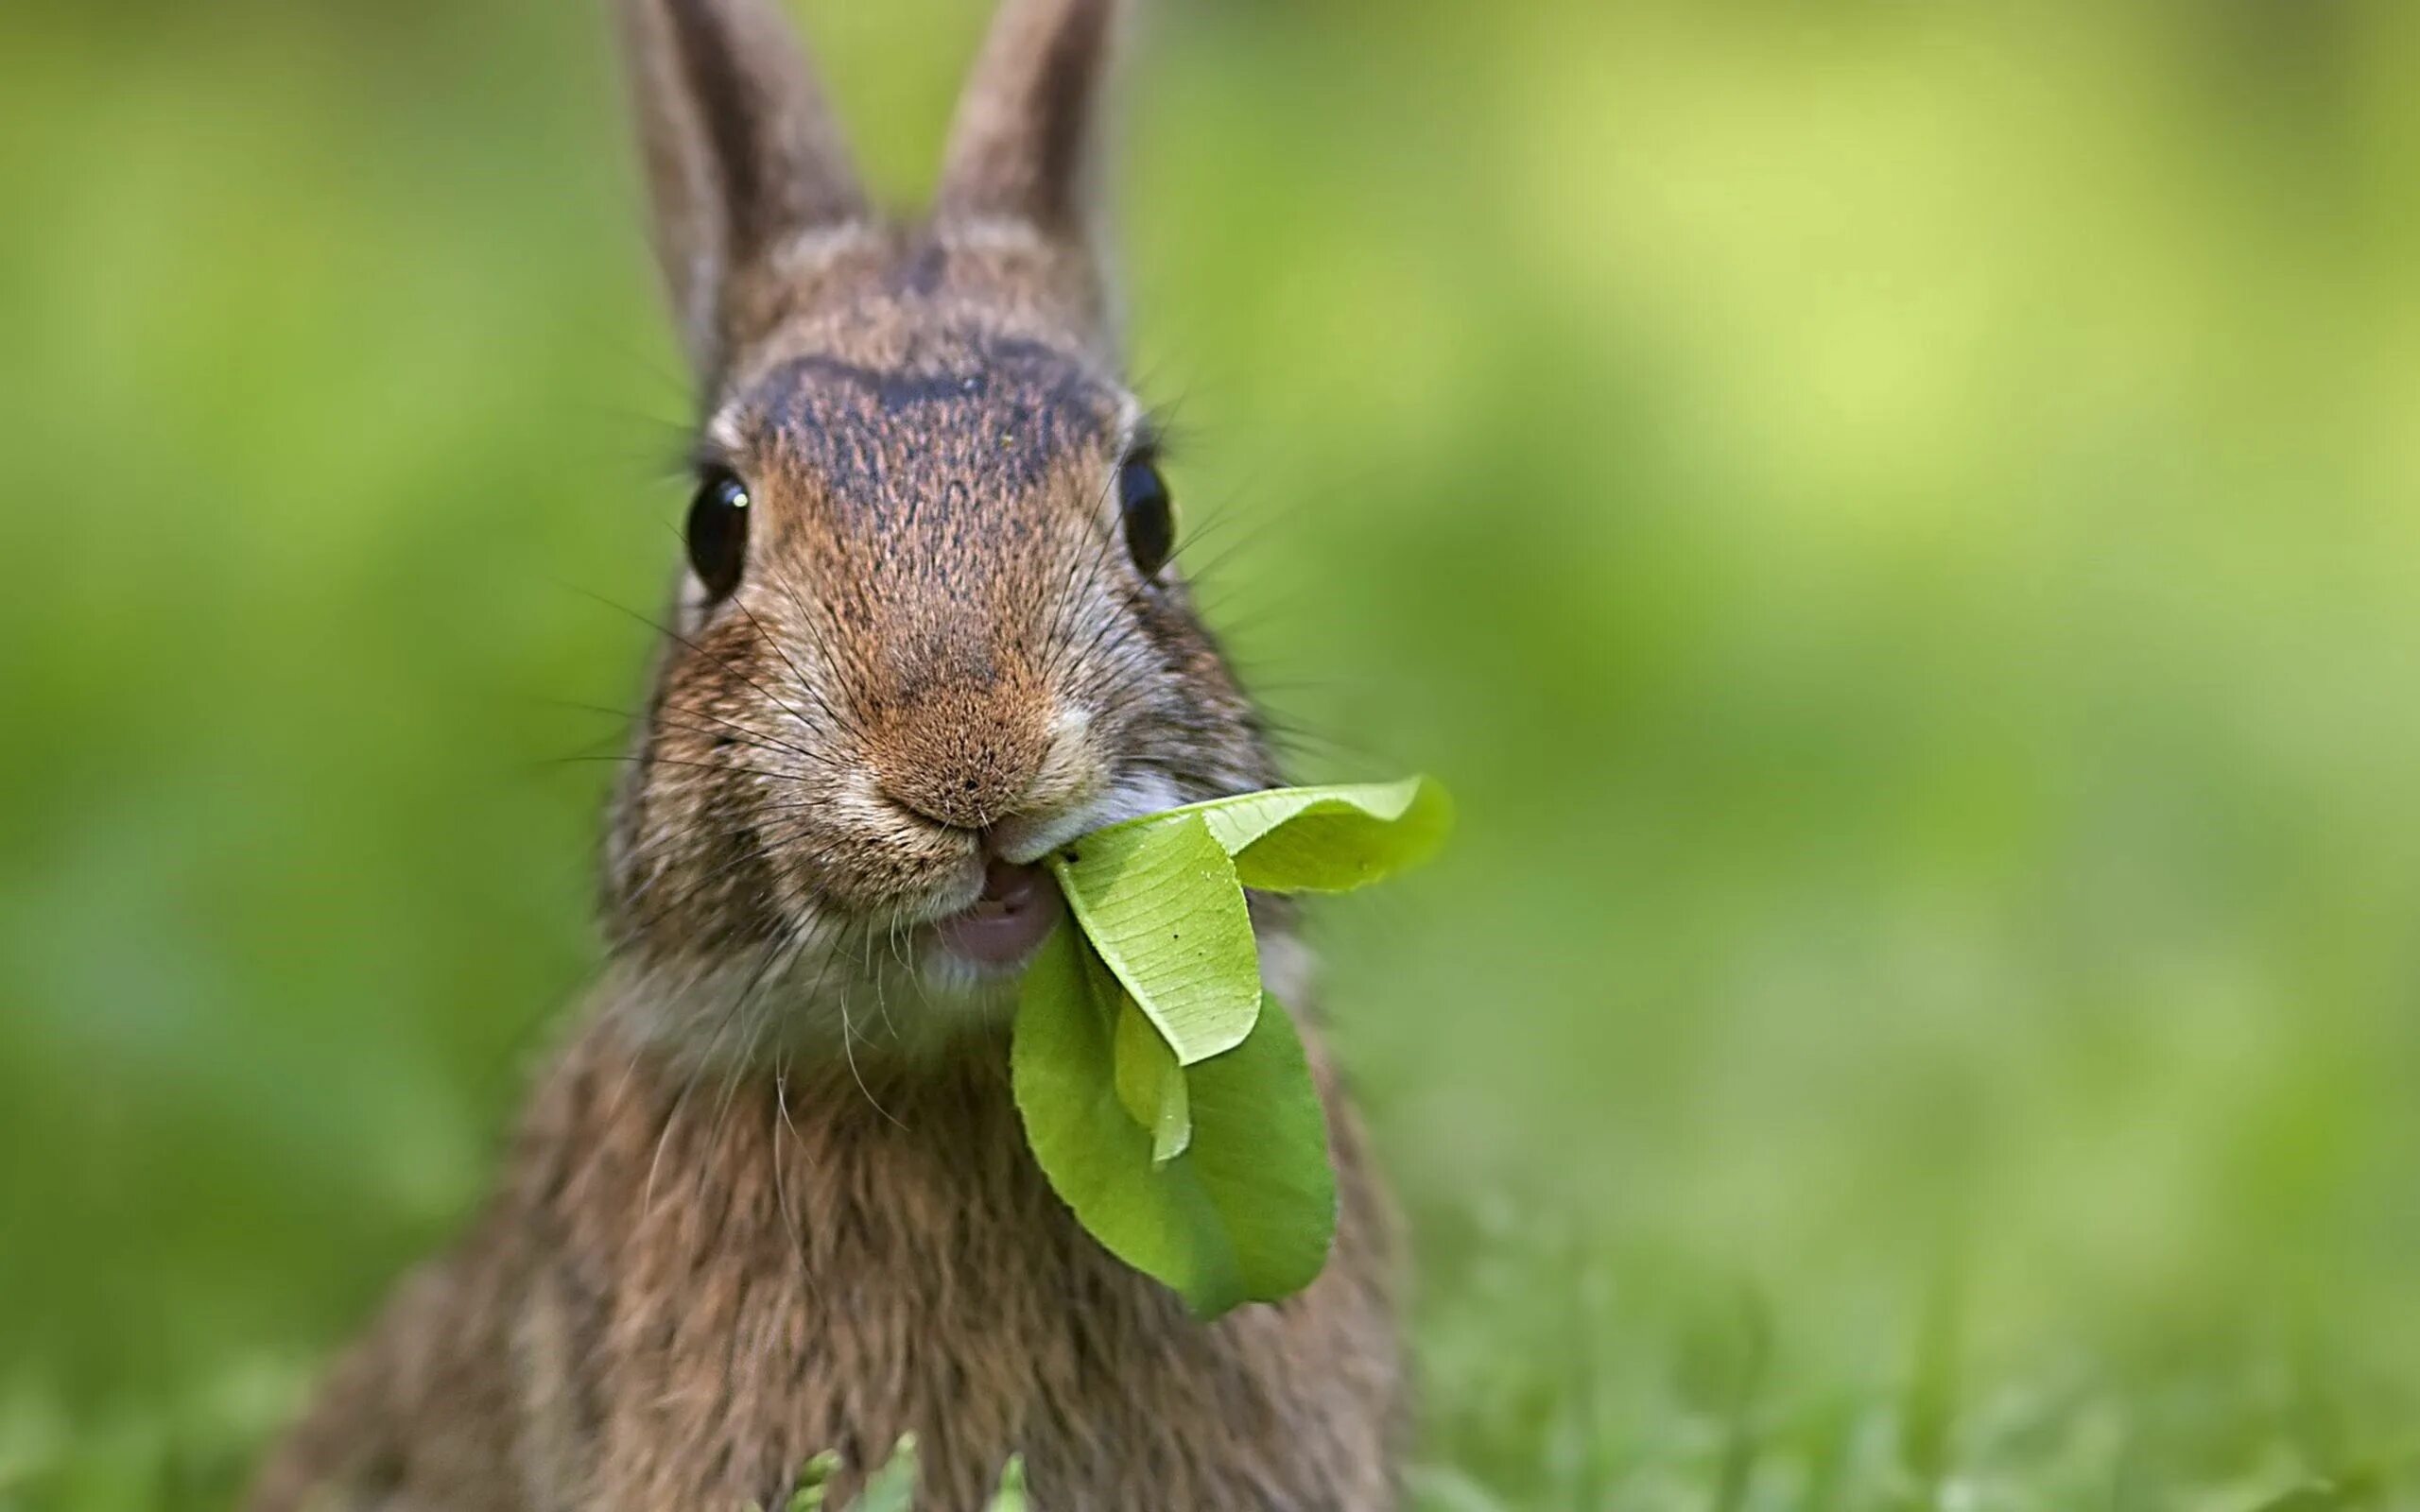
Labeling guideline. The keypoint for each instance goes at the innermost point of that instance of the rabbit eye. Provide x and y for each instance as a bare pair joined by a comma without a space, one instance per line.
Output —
717,533
1151,518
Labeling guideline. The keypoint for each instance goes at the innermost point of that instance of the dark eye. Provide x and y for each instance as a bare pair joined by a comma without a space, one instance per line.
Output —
717,533
1150,519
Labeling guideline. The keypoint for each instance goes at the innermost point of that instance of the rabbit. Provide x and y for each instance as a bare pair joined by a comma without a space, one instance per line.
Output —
772,1196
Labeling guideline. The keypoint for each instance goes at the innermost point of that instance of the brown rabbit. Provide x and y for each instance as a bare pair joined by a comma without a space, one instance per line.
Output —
775,1198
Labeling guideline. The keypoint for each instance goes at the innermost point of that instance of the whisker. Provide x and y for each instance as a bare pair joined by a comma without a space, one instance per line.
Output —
881,1002
771,747
656,716
805,684
849,1052
679,1102
696,887
908,967
648,758
754,1041
790,1233
694,646
825,640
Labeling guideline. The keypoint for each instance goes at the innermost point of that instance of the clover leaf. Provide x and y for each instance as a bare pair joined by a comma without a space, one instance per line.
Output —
1328,840
1165,1096
1246,1212
1160,901
892,1487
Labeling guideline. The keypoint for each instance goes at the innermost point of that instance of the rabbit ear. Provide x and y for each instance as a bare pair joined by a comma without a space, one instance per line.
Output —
741,152
1025,144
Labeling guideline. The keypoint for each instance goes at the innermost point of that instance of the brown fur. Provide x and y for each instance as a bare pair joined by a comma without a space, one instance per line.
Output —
675,1301
775,1197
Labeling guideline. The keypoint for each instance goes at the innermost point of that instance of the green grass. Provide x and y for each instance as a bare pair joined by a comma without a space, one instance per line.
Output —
1553,1385
1894,522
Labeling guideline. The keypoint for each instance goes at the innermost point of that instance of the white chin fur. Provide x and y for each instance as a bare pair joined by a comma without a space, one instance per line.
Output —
854,997
1144,793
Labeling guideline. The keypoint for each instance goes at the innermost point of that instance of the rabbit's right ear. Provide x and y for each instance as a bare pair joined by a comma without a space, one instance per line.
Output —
742,155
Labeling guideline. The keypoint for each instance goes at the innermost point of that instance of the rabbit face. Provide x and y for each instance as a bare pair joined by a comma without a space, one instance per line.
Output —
924,637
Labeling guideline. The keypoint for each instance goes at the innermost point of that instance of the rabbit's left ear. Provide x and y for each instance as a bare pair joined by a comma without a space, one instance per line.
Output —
1026,144
742,154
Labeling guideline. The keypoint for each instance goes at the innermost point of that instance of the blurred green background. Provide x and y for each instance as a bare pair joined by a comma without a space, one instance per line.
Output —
1897,521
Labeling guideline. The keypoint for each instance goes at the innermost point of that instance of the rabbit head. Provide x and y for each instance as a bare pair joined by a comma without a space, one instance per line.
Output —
928,629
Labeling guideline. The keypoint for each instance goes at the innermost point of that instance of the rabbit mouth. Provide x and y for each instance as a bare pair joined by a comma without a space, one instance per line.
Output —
1006,925
992,939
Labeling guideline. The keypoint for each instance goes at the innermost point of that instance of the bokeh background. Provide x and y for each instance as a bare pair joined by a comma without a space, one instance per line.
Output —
1897,521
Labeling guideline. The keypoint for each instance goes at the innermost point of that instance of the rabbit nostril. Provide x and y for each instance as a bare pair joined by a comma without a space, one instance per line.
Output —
963,755
971,793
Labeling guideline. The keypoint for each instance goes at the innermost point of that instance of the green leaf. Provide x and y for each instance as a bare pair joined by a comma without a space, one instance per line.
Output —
1326,839
892,1488
1164,1104
814,1482
1160,901
1150,1084
1260,1151
1011,1493
1245,1214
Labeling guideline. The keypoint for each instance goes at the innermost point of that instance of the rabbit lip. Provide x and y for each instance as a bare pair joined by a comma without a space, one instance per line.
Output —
1005,925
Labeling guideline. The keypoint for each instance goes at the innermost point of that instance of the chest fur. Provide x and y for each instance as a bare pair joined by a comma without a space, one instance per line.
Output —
732,1276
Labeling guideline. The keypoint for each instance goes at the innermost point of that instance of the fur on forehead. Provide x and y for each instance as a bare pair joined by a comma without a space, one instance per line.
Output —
909,396
879,303
909,428
961,418
881,295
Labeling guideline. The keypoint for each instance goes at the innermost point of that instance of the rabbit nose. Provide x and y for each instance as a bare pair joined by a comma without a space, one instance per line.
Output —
968,795
962,761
